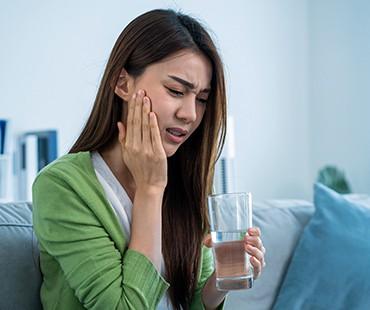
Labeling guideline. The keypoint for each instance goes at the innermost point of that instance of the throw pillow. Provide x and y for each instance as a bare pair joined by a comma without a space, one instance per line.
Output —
278,220
330,268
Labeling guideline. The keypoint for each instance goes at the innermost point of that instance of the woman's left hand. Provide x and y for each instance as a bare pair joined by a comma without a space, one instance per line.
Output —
254,247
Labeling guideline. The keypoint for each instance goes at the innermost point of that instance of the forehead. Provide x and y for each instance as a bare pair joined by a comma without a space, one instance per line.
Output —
190,66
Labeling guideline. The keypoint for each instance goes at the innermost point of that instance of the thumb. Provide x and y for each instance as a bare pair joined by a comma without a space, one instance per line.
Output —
121,132
207,241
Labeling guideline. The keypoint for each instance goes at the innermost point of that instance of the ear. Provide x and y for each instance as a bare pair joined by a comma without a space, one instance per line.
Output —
124,86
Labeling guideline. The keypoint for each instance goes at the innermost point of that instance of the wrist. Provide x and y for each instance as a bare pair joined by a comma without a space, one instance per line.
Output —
211,296
150,190
149,196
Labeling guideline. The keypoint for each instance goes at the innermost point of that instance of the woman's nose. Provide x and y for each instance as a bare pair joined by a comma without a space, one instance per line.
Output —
187,111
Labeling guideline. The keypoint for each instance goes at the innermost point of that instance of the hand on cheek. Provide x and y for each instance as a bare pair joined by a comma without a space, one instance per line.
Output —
141,144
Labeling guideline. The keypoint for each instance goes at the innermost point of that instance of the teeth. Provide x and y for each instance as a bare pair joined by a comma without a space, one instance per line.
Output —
175,133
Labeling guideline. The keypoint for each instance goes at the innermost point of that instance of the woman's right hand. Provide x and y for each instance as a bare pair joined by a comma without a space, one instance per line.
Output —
141,144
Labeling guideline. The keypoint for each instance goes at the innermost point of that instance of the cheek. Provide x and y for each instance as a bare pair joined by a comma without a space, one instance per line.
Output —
200,114
160,105
201,111
153,94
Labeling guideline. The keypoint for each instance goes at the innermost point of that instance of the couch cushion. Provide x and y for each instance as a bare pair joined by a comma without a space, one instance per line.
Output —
19,258
330,266
281,223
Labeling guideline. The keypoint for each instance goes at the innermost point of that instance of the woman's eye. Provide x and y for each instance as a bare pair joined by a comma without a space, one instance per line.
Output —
204,101
175,92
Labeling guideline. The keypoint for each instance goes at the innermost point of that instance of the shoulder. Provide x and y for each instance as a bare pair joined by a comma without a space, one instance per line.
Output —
73,171
68,183
69,164
69,167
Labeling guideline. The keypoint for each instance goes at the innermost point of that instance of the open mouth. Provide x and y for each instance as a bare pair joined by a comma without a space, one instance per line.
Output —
175,132
175,136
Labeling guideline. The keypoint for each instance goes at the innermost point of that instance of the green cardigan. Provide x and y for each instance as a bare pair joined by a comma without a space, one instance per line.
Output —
83,253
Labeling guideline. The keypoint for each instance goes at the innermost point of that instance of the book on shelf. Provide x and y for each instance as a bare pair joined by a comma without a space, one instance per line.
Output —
36,150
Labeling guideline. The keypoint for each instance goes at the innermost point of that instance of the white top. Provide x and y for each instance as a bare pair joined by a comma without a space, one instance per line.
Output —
122,207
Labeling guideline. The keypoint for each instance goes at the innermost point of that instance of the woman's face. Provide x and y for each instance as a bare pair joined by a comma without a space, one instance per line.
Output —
178,88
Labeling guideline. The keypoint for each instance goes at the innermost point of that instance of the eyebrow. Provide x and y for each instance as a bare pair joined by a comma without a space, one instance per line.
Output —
188,84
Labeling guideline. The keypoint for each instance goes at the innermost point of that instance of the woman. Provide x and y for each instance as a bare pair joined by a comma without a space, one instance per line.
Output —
121,219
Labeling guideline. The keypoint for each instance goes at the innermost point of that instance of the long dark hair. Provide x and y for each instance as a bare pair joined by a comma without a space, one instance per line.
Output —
148,39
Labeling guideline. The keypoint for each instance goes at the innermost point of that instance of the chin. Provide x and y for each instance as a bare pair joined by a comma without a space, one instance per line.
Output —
170,153
170,150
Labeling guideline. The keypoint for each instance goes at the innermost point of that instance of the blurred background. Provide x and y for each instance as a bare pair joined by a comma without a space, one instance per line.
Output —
298,74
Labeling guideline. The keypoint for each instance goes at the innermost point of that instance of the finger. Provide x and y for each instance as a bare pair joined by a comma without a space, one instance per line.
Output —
207,241
256,267
254,231
255,241
145,124
121,133
137,134
129,121
155,135
263,250
253,251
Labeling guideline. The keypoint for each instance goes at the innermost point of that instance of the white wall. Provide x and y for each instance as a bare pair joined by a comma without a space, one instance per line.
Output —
268,83
53,55
339,88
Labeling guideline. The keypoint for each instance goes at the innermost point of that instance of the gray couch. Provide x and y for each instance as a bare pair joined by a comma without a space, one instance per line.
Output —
281,223
20,274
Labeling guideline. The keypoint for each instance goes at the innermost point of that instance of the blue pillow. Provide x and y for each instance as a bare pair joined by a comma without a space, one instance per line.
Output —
330,268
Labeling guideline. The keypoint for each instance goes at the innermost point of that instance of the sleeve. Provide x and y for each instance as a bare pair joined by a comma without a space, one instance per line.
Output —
206,272
100,276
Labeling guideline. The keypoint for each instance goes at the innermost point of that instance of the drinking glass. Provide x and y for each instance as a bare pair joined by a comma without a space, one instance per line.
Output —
230,217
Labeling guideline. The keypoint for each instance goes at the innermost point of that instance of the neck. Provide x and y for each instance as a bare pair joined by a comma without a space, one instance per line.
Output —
113,158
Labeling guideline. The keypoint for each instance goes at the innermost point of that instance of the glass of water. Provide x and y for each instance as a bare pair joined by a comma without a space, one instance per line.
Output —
230,217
